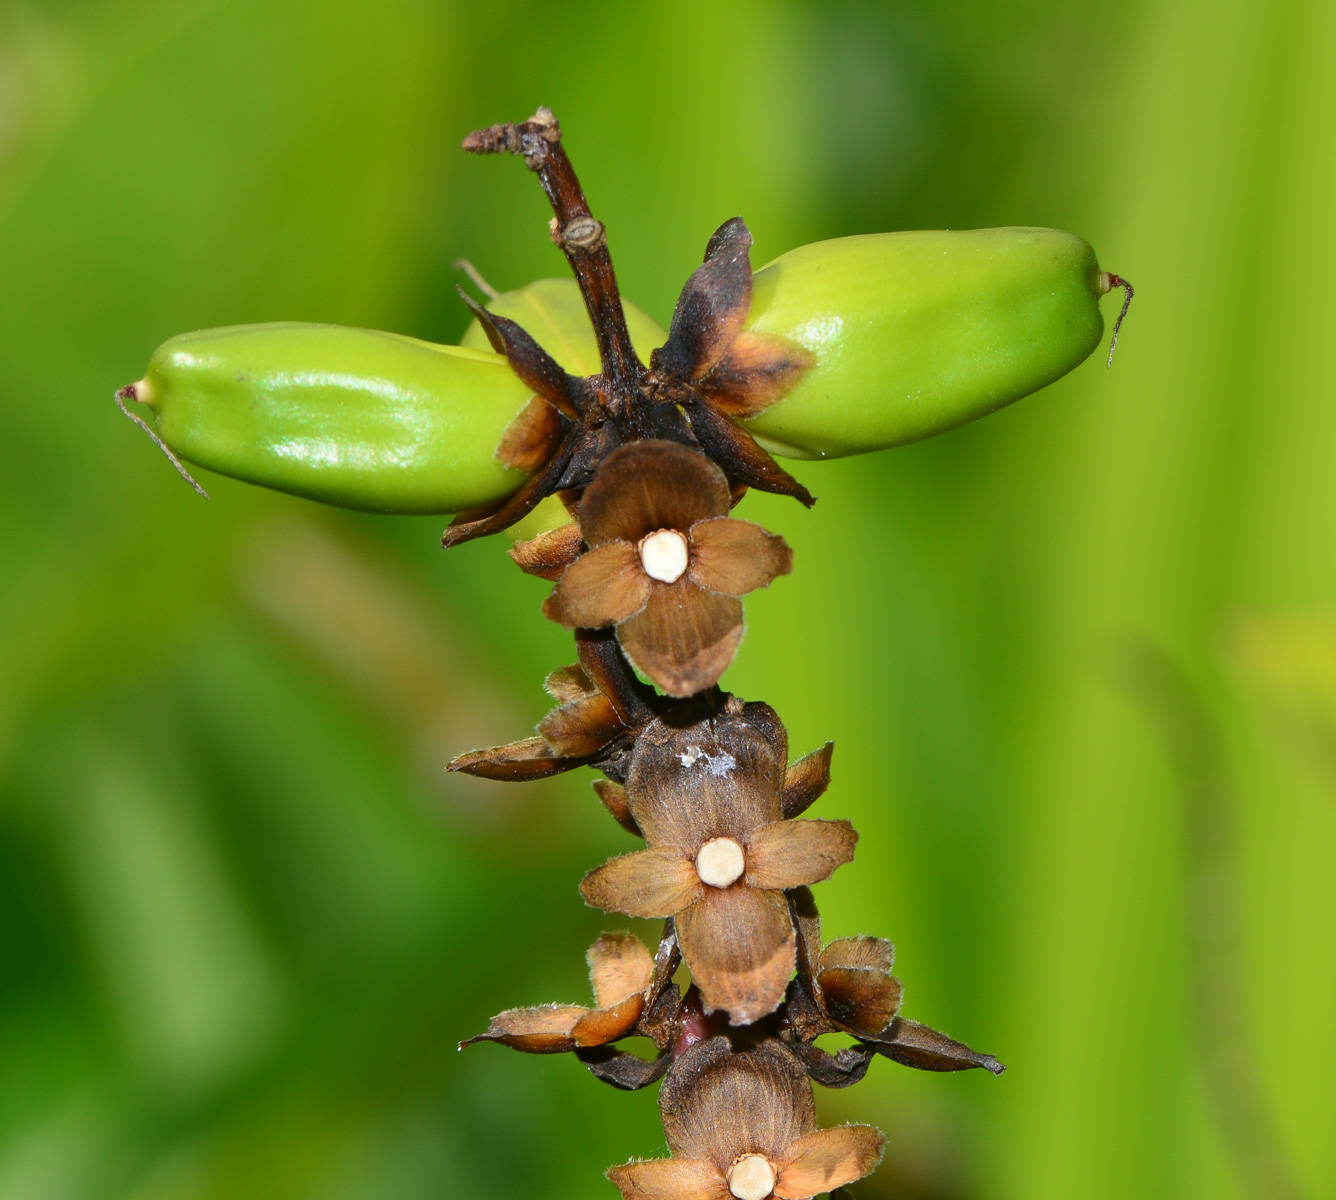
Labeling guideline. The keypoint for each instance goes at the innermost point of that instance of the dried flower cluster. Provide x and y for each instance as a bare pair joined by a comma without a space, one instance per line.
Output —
649,572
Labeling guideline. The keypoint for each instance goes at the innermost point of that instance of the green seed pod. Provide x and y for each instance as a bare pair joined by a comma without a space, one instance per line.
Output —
916,333
364,420
553,313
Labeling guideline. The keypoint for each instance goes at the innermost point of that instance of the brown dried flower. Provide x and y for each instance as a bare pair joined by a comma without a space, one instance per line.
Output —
710,799
849,984
666,564
741,1123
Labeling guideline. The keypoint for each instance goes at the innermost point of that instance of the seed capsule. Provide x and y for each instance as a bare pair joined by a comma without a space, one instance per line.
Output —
352,417
915,333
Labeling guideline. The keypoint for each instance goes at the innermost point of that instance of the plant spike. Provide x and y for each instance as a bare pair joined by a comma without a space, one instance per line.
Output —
648,573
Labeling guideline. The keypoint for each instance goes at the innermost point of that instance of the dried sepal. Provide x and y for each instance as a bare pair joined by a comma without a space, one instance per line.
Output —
859,1001
649,485
613,797
517,762
827,1159
683,638
806,780
568,683
839,1070
590,725
669,1179
712,306
492,518
719,1101
703,773
549,554
759,370
582,727
646,883
535,367
789,854
739,454
625,1071
604,586
736,557
532,437
919,1046
620,971
542,1029
862,953
619,967
738,943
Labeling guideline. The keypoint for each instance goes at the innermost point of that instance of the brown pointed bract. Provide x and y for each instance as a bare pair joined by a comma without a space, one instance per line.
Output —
620,970
601,709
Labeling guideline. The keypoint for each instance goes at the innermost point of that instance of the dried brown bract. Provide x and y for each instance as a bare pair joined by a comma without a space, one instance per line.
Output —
666,564
740,1122
633,994
706,793
601,709
620,970
707,376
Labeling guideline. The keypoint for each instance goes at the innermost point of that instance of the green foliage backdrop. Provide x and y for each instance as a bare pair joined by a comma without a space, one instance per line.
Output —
1079,659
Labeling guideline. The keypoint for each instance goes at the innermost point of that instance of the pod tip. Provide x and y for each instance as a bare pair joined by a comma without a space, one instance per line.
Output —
138,391
1107,282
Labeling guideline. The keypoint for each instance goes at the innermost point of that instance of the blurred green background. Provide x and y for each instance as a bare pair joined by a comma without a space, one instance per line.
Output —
1079,659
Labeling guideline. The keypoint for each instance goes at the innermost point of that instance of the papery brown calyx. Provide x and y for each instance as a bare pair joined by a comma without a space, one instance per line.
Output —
681,632
722,1104
720,776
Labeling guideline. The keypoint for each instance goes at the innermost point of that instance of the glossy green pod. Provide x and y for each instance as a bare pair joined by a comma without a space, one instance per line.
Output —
352,417
916,333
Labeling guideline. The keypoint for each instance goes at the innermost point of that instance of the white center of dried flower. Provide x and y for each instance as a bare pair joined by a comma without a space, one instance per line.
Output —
721,863
751,1178
664,555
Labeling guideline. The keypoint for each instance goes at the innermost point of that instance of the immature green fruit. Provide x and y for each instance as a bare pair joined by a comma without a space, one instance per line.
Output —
352,417
916,333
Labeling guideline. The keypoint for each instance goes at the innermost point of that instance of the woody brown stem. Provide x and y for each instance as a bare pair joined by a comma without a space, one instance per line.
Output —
603,661
581,237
